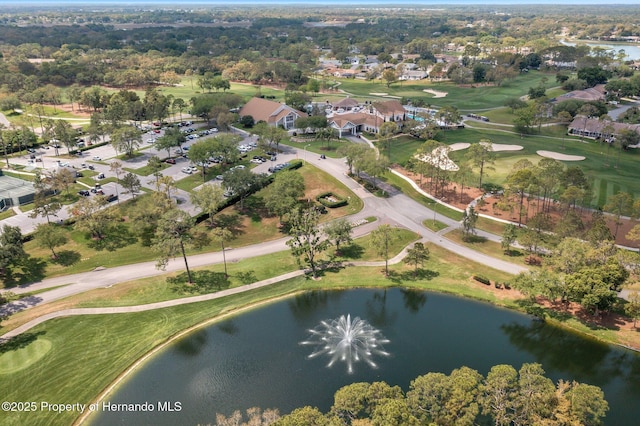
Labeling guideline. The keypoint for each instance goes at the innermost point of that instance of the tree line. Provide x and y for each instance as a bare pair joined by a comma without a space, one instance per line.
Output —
505,396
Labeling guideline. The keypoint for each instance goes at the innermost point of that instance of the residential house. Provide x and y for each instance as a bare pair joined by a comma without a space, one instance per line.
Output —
273,113
594,128
596,93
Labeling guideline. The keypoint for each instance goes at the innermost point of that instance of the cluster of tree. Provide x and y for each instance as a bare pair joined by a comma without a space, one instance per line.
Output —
506,396
578,271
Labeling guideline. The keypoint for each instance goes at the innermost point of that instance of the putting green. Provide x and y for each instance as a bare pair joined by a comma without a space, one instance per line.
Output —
21,358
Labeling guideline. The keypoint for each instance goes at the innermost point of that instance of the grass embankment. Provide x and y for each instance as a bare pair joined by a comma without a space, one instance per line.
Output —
160,288
95,350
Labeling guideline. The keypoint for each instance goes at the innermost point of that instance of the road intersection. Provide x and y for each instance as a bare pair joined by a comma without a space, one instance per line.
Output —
397,210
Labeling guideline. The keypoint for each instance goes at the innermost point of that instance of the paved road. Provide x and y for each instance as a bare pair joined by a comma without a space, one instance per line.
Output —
398,209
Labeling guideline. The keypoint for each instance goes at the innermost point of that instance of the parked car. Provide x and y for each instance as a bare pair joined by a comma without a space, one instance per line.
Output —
170,161
101,176
187,170
31,150
84,193
96,158
111,197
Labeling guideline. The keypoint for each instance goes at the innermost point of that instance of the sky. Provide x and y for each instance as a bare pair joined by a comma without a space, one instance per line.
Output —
50,3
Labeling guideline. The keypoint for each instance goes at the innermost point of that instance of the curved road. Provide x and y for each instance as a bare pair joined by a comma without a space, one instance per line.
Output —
398,209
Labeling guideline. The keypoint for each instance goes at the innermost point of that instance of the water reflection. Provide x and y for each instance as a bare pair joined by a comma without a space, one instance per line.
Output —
193,344
414,300
587,360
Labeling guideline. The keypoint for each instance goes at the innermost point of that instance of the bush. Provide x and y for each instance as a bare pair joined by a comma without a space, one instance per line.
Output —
482,279
533,260
324,200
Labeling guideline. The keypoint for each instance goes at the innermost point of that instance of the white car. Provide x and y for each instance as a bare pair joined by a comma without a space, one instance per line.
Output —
187,170
96,158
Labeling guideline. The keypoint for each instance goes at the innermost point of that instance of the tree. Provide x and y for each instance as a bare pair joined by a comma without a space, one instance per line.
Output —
509,236
200,152
352,152
588,405
174,231
282,195
306,240
222,235
116,167
155,165
208,199
65,134
386,133
91,217
497,394
535,395
381,238
417,256
339,232
11,250
632,307
620,204
241,183
172,138
389,76
126,139
50,236
62,179
482,156
521,178
131,183
626,138
270,136
469,219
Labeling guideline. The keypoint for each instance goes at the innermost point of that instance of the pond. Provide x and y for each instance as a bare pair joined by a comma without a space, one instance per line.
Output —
256,358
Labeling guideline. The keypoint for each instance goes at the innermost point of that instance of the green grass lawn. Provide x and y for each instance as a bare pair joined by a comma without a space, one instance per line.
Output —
81,253
94,350
466,99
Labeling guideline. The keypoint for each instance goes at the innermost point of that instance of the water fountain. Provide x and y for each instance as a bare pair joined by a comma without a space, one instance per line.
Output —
345,340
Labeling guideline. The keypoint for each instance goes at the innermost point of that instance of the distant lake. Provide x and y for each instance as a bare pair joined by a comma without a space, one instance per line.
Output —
255,358
632,51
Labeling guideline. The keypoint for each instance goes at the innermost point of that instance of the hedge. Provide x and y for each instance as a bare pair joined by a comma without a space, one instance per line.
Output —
322,199
482,279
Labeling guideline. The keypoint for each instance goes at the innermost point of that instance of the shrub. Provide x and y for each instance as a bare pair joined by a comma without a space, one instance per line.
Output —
325,201
482,279
533,260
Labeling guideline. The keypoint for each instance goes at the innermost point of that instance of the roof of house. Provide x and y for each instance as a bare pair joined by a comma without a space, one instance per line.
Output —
391,107
355,118
595,125
268,111
346,103
595,93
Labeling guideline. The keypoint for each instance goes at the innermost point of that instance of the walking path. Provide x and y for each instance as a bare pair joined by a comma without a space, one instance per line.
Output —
398,209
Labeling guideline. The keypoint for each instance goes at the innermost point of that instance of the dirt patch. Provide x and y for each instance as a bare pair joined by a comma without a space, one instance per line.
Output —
451,194
628,334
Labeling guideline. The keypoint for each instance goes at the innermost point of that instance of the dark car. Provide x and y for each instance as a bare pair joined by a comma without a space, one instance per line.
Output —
101,176
84,193
170,161
111,197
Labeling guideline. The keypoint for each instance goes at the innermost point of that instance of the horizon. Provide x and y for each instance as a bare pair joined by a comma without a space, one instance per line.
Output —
396,3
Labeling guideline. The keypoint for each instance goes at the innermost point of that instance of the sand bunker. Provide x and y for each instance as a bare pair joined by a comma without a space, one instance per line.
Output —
378,94
560,156
459,146
439,157
504,147
435,93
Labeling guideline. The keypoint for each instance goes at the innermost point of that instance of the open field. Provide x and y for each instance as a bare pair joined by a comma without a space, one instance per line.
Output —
475,98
